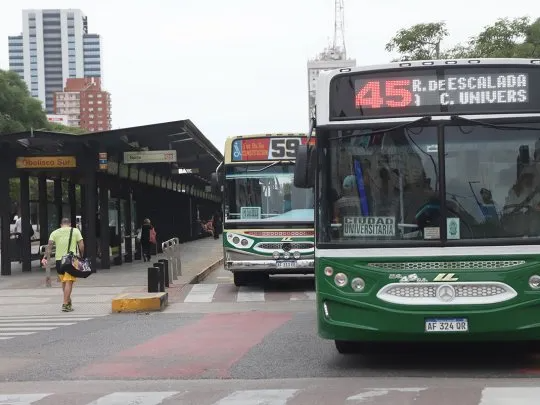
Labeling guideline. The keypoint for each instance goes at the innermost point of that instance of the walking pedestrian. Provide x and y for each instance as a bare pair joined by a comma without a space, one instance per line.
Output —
61,239
148,238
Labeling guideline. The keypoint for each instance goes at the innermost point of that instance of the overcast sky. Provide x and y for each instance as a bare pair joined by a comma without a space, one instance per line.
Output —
239,66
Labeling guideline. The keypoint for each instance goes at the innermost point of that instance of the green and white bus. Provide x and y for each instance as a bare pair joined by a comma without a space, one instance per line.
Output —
267,222
427,215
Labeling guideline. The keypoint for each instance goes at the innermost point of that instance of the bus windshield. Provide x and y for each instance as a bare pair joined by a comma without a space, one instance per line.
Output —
386,186
264,192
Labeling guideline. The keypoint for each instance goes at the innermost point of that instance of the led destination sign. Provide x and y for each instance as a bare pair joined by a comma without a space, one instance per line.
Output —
267,148
419,91
471,90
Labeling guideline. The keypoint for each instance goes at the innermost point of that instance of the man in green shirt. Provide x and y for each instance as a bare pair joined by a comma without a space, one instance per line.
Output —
60,238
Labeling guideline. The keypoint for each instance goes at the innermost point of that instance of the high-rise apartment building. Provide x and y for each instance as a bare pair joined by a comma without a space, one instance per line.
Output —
85,104
54,45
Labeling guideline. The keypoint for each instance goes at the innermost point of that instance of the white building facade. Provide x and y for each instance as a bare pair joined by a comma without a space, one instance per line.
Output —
54,46
329,59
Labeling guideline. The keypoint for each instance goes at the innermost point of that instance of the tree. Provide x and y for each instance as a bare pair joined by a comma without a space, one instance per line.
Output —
19,111
55,127
421,41
506,38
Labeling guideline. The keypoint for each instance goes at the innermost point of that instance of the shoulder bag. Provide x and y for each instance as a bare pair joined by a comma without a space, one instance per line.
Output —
74,265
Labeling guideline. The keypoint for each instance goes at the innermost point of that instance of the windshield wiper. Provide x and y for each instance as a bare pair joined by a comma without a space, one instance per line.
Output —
494,126
382,131
269,166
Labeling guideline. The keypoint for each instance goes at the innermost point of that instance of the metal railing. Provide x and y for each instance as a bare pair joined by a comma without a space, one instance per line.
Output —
50,263
171,249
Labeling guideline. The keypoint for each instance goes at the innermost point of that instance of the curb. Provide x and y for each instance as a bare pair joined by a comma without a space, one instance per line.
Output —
139,302
204,273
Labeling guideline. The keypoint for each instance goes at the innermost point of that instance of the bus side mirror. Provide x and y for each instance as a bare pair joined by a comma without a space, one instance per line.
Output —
305,166
215,183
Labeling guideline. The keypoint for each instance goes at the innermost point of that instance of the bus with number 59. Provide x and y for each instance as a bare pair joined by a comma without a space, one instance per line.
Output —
267,221
427,202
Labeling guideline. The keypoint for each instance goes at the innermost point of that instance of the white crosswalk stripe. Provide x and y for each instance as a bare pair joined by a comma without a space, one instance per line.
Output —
290,396
16,326
139,398
258,397
249,294
21,399
206,293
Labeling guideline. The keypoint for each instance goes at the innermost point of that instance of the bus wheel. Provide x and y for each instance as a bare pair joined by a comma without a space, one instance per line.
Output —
347,347
241,279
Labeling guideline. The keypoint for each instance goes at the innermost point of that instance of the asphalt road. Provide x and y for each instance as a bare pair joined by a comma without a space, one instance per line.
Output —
326,391
229,333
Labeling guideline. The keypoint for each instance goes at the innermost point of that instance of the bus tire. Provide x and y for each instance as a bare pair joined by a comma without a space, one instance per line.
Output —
346,347
240,279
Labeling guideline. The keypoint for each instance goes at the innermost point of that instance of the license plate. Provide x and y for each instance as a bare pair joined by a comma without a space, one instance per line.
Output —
286,265
447,325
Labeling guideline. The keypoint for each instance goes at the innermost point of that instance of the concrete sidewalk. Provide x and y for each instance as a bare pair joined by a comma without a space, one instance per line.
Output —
27,293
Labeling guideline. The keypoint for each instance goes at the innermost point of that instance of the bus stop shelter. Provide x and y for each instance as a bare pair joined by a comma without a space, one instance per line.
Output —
165,168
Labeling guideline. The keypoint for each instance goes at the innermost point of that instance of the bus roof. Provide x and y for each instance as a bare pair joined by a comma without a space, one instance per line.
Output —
326,75
419,69
232,138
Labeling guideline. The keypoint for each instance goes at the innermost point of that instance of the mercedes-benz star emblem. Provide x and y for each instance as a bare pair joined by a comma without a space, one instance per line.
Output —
446,293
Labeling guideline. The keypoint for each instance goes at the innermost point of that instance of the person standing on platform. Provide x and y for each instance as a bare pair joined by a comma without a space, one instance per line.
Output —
147,239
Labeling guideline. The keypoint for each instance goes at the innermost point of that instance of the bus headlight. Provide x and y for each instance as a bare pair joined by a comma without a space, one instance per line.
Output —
534,282
358,284
286,255
328,271
240,241
341,280
275,255
296,255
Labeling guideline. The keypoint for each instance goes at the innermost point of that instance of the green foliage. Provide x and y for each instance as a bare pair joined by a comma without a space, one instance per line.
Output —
506,38
54,127
18,110
421,41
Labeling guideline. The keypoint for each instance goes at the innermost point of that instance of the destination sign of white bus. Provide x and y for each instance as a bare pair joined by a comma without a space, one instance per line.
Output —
369,226
429,90
151,156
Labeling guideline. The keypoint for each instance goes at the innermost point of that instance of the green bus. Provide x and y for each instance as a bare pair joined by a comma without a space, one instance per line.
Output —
267,222
427,215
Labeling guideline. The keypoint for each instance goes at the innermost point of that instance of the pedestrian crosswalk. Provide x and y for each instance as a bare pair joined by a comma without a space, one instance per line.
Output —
24,325
292,396
205,293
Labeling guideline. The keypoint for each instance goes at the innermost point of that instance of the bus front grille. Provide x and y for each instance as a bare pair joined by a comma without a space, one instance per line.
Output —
456,266
436,293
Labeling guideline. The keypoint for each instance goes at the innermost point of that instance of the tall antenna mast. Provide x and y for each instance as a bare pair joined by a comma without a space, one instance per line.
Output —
339,28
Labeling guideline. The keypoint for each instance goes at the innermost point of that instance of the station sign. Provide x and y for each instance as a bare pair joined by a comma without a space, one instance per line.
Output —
151,156
103,161
46,162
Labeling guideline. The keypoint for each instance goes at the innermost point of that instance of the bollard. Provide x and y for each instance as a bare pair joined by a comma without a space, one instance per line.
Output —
153,279
172,260
160,266
165,271
43,251
177,258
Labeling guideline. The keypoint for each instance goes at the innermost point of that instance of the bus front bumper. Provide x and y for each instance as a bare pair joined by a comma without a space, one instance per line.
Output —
273,266
363,322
